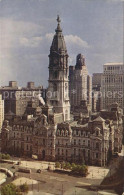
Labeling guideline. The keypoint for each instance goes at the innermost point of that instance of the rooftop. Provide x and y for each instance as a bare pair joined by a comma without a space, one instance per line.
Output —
113,63
99,119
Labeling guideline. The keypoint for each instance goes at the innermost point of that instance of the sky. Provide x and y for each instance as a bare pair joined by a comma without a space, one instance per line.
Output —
93,28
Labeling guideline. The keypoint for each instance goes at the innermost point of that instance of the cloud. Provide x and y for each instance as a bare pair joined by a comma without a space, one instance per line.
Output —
31,42
36,41
18,26
75,40
12,31
49,36
17,38
71,40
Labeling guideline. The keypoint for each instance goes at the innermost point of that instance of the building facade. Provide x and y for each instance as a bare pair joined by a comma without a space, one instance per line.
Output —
16,99
96,80
92,142
112,86
80,83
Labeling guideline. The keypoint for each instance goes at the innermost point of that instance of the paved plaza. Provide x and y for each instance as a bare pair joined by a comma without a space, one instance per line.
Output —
52,183
94,172
43,165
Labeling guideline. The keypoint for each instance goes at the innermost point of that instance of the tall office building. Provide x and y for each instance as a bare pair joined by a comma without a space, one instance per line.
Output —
96,80
1,112
80,83
112,86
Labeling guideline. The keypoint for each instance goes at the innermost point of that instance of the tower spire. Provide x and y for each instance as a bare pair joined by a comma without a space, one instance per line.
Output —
58,75
58,43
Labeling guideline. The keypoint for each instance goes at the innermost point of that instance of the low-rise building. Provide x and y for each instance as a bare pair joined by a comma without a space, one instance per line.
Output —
16,99
92,142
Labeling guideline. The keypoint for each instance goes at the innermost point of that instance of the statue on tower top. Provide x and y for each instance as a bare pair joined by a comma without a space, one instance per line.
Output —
58,19
58,26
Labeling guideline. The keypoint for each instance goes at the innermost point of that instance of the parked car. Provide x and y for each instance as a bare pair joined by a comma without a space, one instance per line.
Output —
38,170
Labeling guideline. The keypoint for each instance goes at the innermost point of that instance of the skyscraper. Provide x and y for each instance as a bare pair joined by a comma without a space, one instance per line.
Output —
112,84
80,87
58,75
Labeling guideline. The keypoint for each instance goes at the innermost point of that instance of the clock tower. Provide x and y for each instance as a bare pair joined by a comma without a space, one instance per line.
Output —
58,88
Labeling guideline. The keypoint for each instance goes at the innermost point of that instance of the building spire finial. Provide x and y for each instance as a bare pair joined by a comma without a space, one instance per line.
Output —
58,19
58,25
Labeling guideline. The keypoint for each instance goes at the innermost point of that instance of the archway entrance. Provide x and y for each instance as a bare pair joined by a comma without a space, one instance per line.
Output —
43,154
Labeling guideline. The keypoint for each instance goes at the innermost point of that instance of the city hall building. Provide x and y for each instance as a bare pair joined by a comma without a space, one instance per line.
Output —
51,134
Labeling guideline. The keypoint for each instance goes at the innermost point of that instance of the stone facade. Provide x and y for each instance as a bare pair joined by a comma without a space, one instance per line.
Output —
92,142
58,75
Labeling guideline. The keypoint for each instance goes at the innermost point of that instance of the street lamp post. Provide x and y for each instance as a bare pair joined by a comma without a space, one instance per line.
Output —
32,185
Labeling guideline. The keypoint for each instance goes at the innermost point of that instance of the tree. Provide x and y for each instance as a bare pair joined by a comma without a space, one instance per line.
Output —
10,189
5,156
80,170
63,164
67,165
83,170
24,188
73,166
57,165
